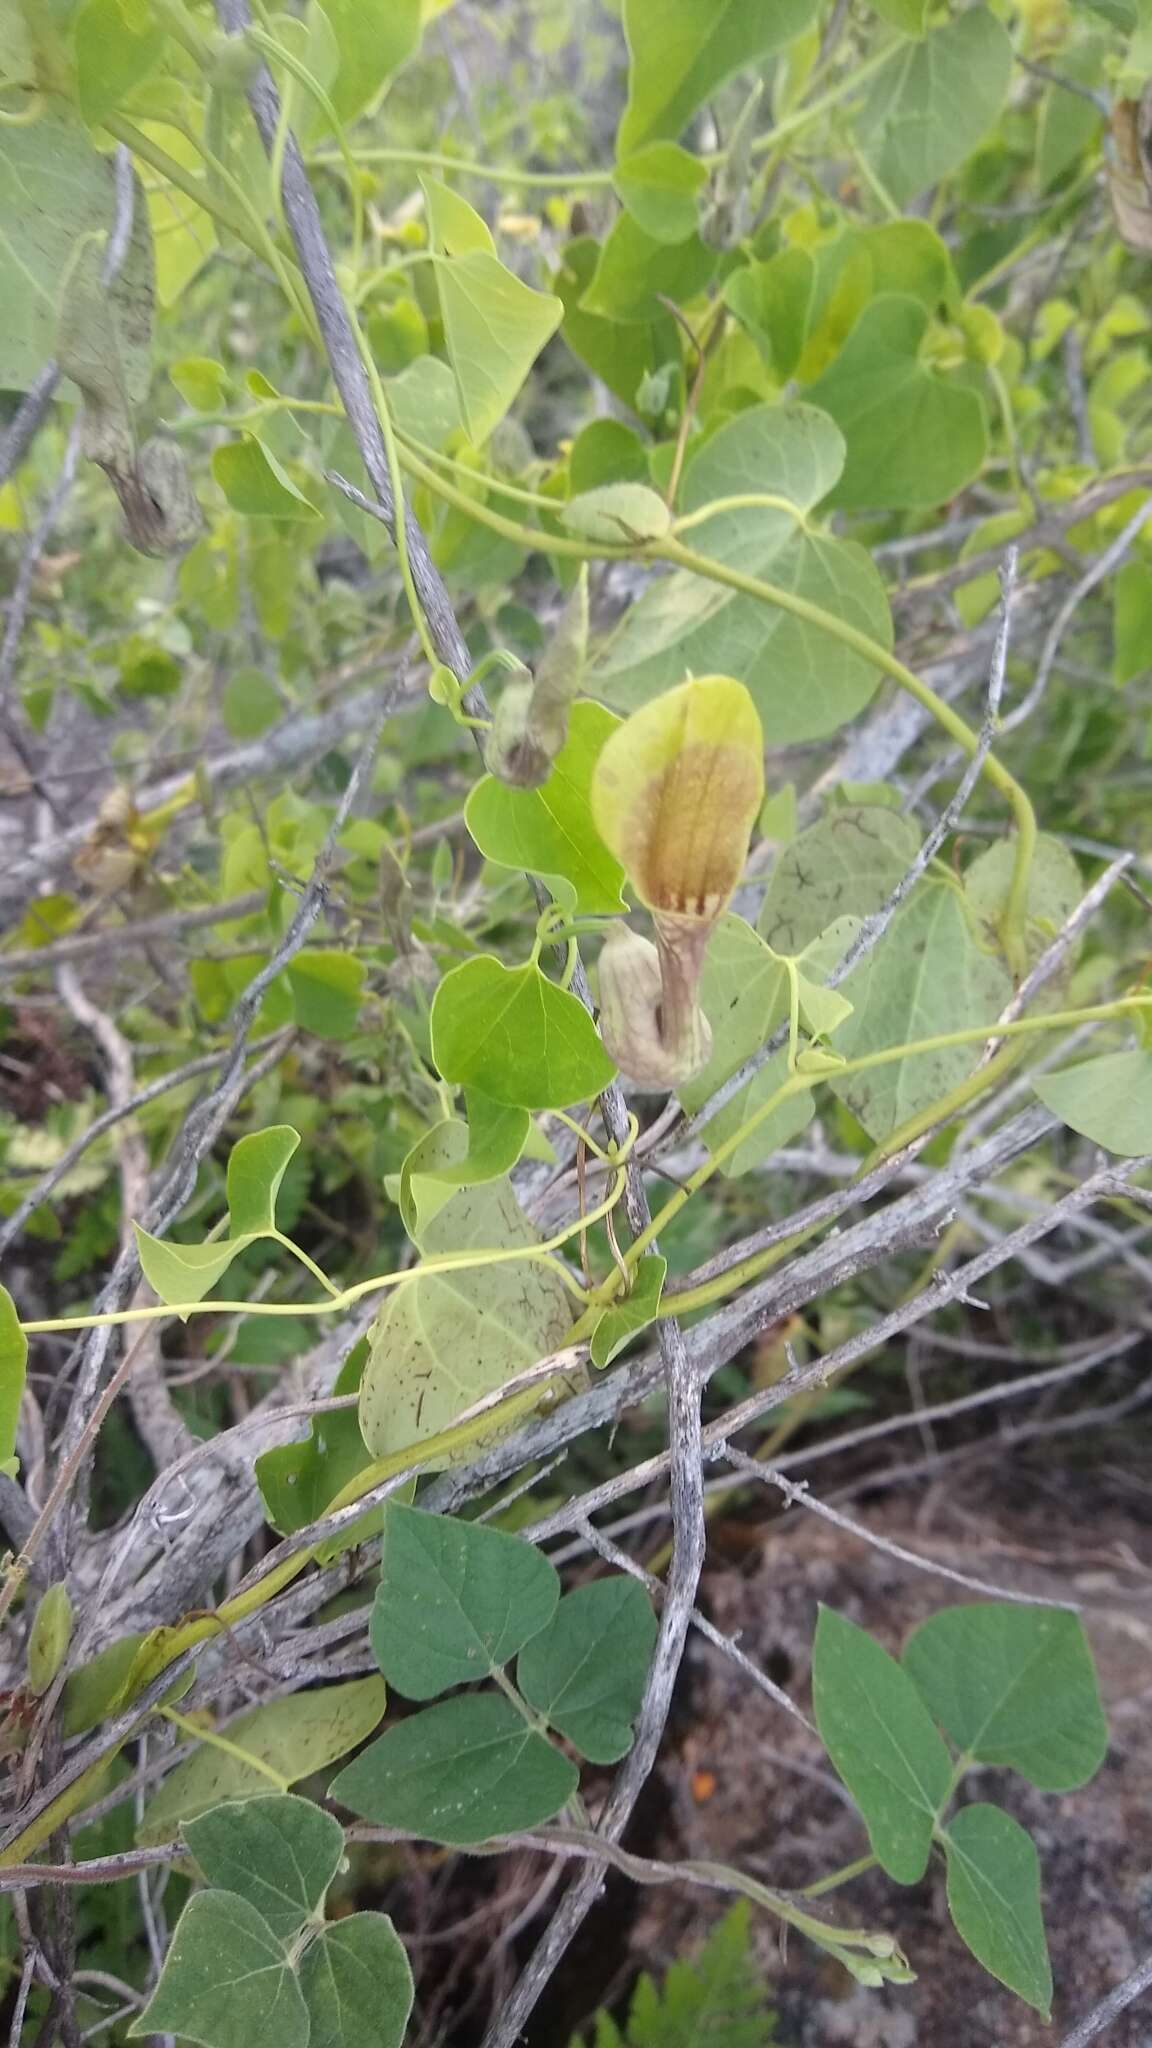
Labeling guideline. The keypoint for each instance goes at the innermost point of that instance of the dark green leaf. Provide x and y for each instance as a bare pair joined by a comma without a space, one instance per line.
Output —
458,1773
994,1900
280,1854
882,1741
226,1981
636,273
586,1671
456,1600
356,1984
1014,1685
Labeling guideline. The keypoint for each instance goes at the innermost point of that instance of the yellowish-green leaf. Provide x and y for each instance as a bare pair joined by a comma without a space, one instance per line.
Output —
13,1373
454,226
293,1736
257,485
442,1341
494,328
49,1638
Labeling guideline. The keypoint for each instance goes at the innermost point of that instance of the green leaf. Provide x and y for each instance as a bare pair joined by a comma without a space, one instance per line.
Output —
226,1980
249,704
607,452
374,38
327,988
906,15
1131,622
49,1637
356,1984
744,995
255,484
716,1999
618,513
929,106
454,1155
511,1033
879,1736
425,402
295,1736
914,436
202,382
625,1319
636,273
846,865
298,1482
803,682
256,1169
680,52
994,1900
1054,890
925,977
185,1273
113,54
458,1773
444,1340
778,1128
13,1373
1015,1686
56,189
1108,1100
456,1600
586,1671
550,830
494,329
660,185
454,226
280,1854
623,357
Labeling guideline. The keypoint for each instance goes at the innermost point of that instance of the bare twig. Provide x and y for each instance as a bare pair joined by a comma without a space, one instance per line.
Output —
1101,2017
1103,566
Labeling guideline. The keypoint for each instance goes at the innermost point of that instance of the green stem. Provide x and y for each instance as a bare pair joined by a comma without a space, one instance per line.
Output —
468,167
836,1878
1056,1020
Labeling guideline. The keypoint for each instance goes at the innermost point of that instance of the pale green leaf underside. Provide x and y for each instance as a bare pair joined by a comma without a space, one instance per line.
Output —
804,682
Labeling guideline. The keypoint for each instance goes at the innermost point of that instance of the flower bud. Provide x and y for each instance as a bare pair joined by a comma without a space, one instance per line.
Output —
655,1042
514,750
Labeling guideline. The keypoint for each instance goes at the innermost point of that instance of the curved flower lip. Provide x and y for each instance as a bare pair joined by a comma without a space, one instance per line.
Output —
676,792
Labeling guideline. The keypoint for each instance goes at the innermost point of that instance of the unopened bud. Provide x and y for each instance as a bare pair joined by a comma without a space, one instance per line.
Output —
655,1043
515,751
